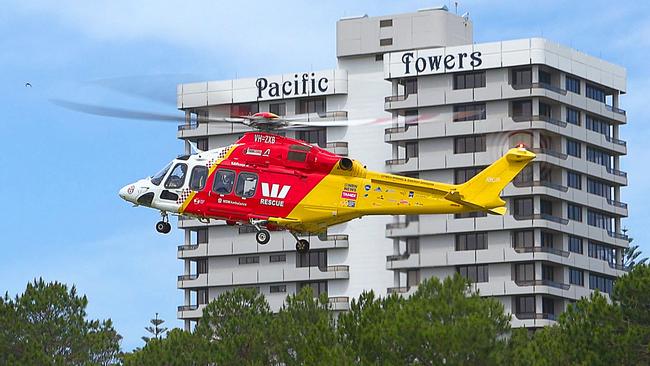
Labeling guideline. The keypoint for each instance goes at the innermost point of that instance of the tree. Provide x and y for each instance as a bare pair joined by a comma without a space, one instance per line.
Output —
631,257
632,294
47,325
179,348
237,326
155,329
304,332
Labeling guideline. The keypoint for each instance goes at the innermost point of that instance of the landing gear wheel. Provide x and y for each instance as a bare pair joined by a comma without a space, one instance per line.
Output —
163,227
302,246
263,237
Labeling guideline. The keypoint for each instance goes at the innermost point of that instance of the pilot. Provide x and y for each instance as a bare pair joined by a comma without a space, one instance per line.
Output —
224,182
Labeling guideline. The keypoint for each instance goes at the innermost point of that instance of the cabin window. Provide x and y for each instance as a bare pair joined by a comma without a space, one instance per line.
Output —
198,177
177,176
156,179
223,181
246,185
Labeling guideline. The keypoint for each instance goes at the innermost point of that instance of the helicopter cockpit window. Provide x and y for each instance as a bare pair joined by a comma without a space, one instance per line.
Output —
156,179
246,184
177,176
298,153
198,177
224,180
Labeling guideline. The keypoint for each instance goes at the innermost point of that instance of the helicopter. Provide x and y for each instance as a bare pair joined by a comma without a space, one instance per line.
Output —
273,183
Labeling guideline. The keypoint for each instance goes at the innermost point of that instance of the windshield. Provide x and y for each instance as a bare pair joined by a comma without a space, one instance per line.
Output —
156,179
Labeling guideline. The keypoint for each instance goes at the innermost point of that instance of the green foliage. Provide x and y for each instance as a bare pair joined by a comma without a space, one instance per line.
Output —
47,325
631,257
155,329
179,348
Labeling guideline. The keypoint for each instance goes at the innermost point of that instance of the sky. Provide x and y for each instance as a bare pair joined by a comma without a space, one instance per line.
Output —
63,220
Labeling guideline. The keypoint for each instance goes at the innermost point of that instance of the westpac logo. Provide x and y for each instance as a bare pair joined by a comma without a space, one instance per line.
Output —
274,191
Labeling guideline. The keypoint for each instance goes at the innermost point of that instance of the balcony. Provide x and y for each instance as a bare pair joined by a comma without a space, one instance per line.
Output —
193,250
549,152
190,311
542,118
402,165
553,88
615,141
401,133
401,101
618,173
401,229
541,183
616,203
561,286
619,267
398,290
402,261
562,253
329,116
526,316
614,109
541,216
339,303
617,235
338,147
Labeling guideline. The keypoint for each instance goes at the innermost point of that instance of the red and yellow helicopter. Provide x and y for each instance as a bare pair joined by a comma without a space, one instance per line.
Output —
277,183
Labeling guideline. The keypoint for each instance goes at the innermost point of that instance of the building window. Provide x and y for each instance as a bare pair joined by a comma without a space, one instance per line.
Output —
600,220
523,239
525,176
601,283
244,109
386,42
202,266
311,105
383,23
475,274
525,272
317,288
202,144
202,236
602,251
599,188
279,109
314,258
277,288
573,84
316,136
411,149
410,85
463,175
202,296
413,245
574,212
412,277
595,93
469,112
545,110
599,157
522,109
544,77
523,207
522,77
379,57
472,214
574,179
575,244
576,277
469,144
548,273
598,125
573,116
547,239
469,80
573,148
249,260
525,305
471,241
278,258
546,207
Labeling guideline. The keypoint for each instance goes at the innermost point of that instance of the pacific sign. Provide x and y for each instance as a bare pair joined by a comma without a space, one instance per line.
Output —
305,84
440,63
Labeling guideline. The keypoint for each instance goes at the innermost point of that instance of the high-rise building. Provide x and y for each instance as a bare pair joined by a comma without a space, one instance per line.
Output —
453,107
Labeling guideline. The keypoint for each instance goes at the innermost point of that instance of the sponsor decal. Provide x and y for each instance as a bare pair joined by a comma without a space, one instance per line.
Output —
130,189
411,193
352,203
274,191
378,189
198,201
367,187
404,202
349,195
229,202
255,152
236,163
493,179
350,187
365,195
270,202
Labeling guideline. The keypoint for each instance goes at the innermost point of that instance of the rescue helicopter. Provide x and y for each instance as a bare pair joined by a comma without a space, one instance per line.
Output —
273,182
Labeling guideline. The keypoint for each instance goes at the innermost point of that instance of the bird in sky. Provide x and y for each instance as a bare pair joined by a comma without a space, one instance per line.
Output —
28,85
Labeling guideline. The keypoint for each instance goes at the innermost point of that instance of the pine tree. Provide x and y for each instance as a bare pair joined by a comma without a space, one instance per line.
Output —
155,329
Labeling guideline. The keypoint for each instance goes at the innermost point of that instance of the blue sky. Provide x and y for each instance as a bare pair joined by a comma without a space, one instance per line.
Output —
61,170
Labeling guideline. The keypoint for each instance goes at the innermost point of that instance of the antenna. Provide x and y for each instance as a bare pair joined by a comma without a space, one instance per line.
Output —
456,6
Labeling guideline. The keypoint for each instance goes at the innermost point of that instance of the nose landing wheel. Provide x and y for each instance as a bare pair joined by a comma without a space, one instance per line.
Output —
163,226
302,246
262,236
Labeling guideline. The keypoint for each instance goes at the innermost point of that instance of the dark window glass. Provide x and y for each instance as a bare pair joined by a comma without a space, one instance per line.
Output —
386,42
575,244
379,57
545,110
601,283
573,148
573,84
544,77
476,273
311,105
463,175
177,176
383,23
598,125
599,188
469,144
202,296
202,144
317,288
576,277
472,214
523,239
411,117
574,179
525,272
246,185
574,212
525,176
548,306
522,108
600,220
546,207
316,136
277,288
595,93
469,80
547,273
278,258
573,116
599,157
314,258
410,85
547,239
202,236
523,206
198,177
412,277
526,305
223,181
471,241
245,109
279,109
469,112
202,266
522,77
249,260
156,179
602,251
299,156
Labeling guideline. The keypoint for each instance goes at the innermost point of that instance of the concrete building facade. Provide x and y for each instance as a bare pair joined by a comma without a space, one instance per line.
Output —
445,107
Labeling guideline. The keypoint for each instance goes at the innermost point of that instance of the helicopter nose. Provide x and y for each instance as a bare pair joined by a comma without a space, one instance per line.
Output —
126,193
